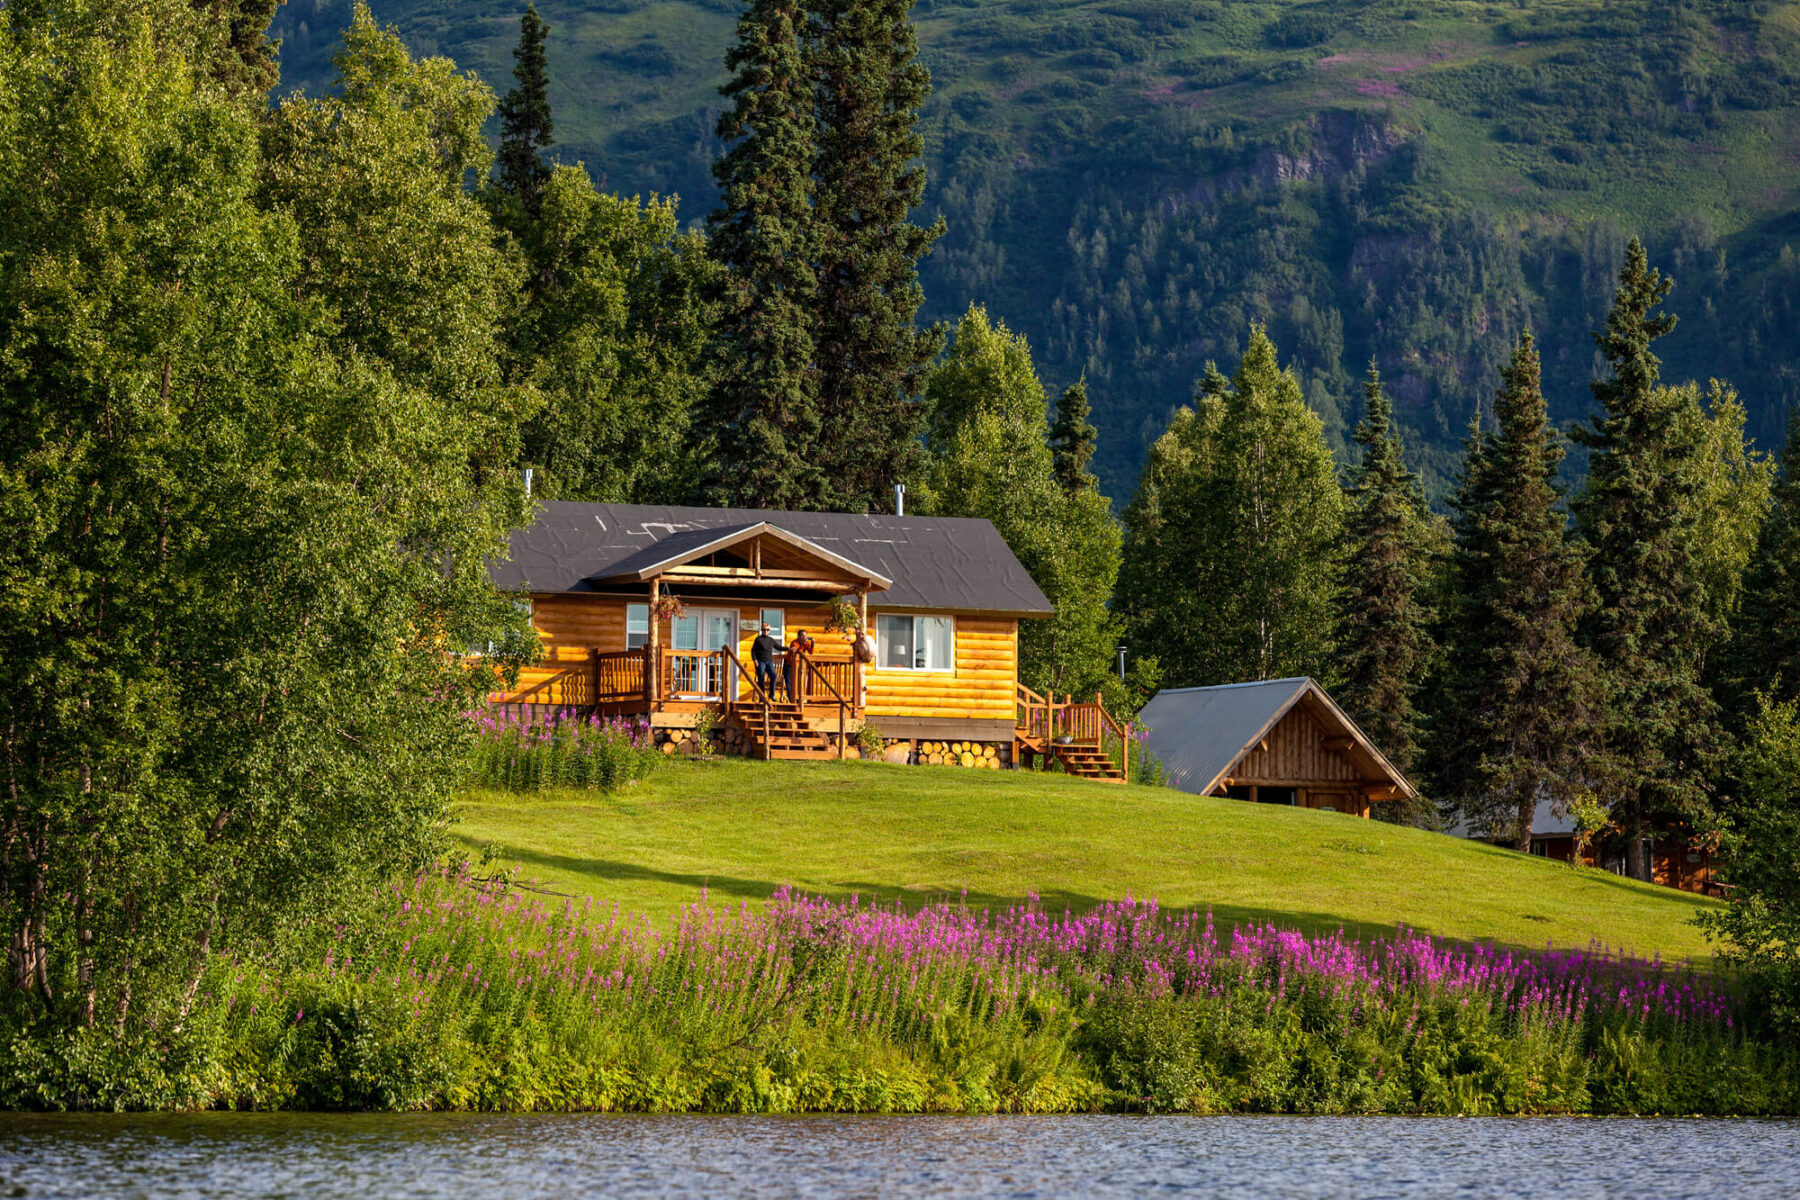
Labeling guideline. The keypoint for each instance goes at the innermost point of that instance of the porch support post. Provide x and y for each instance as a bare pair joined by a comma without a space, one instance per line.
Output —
653,664
862,620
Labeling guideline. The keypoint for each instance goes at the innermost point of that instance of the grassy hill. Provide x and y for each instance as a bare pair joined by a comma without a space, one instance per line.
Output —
740,830
1131,182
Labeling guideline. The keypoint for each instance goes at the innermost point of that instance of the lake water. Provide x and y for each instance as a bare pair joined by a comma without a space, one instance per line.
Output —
377,1157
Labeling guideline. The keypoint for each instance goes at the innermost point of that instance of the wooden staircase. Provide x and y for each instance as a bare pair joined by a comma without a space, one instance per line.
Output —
1076,734
1089,762
780,731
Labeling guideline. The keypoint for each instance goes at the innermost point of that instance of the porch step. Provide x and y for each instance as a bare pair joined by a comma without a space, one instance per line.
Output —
1088,763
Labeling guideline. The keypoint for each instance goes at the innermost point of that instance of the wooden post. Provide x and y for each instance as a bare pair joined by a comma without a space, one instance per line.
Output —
862,621
653,665
594,674
843,745
768,750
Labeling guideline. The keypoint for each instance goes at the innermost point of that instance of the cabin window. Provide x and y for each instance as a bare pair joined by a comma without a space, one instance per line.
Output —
775,620
637,626
913,643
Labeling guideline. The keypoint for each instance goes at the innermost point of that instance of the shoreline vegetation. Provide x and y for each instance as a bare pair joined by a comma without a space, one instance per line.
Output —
457,991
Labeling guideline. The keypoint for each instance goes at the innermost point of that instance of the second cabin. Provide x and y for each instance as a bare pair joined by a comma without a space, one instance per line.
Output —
650,612
1276,741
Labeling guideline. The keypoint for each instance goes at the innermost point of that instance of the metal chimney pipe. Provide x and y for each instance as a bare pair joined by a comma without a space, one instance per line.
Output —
899,499
528,483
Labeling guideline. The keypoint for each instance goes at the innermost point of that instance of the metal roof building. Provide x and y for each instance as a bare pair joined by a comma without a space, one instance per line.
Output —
1279,741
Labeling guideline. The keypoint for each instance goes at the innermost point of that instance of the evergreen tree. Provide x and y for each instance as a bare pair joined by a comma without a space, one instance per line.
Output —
1384,640
762,411
989,458
525,124
243,58
1765,644
1515,718
1233,539
870,175
1072,439
1652,625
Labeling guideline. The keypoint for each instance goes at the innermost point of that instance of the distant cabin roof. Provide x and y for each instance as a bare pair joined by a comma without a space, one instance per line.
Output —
1199,734
954,563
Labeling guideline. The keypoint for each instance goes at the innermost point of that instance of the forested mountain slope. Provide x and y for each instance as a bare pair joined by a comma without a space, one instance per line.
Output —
1132,182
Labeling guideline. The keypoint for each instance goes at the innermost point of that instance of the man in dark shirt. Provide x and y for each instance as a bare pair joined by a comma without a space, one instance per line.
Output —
762,653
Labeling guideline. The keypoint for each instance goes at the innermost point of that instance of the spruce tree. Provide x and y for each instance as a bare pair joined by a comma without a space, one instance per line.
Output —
243,58
1765,639
1515,717
1072,439
870,175
762,412
1652,626
525,124
1384,640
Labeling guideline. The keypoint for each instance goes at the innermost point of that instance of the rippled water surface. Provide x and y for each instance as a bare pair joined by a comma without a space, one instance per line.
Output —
372,1157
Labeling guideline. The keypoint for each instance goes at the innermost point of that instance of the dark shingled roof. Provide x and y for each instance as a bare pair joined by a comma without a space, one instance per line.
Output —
1200,733
957,563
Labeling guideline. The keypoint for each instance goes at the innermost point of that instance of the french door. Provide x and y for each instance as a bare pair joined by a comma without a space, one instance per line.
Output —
698,669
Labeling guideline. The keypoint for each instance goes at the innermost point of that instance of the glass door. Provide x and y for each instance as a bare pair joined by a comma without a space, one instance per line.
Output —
718,630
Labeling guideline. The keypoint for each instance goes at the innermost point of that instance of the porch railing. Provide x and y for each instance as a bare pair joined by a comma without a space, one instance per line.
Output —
814,681
699,674
1042,721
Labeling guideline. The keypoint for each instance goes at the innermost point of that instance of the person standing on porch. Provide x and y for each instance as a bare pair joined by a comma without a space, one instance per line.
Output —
762,653
802,644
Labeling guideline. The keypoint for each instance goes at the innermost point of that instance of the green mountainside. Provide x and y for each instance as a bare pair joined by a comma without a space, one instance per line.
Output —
1131,183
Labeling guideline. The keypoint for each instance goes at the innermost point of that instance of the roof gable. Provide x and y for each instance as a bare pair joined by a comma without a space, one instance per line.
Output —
1200,734
681,549
930,563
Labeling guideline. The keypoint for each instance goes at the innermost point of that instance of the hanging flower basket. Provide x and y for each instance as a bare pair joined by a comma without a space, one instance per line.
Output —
668,608
841,617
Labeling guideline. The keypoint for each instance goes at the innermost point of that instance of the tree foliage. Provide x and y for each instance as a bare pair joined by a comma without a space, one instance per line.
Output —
870,176
1652,625
526,125
1234,535
1764,652
988,457
613,338
762,413
1384,642
1516,715
1760,927
255,460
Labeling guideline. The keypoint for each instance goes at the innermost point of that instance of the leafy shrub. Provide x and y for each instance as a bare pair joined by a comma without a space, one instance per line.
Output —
1301,28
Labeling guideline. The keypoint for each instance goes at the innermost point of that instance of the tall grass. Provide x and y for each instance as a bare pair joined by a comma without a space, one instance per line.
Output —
562,749
473,994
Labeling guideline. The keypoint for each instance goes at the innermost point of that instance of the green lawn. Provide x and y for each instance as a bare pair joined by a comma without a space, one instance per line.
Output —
741,829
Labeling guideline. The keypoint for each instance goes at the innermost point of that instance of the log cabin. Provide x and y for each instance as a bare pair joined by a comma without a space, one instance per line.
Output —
649,612
1678,859
1275,741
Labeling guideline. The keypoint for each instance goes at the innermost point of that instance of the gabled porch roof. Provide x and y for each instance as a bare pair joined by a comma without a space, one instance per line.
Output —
798,561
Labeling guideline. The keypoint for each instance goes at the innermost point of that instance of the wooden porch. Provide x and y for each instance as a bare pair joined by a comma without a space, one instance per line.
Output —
1080,734
816,711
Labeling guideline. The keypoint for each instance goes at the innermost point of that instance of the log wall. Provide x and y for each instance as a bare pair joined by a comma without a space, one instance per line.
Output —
981,687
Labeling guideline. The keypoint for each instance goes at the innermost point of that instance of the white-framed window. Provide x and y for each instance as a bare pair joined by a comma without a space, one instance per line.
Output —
775,621
913,643
637,626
